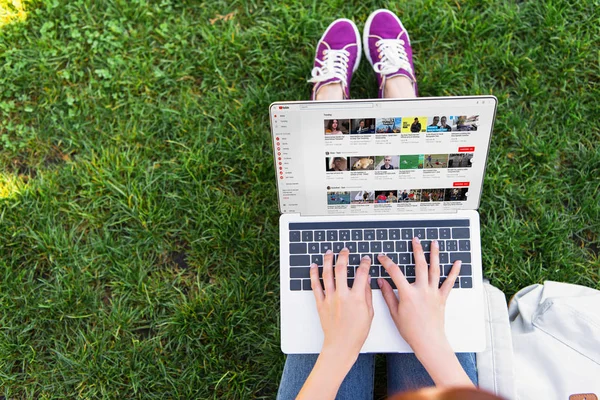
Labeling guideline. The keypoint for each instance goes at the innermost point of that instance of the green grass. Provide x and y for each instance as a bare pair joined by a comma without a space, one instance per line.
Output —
138,215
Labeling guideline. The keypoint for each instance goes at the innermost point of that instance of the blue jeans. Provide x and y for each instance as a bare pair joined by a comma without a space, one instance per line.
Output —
404,372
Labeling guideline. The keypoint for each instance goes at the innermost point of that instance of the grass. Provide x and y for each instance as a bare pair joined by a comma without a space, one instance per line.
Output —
138,215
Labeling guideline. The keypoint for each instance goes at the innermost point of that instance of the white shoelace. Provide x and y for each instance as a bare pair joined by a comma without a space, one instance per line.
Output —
333,65
393,57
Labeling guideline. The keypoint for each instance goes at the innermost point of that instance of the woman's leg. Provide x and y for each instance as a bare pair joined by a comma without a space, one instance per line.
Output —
358,384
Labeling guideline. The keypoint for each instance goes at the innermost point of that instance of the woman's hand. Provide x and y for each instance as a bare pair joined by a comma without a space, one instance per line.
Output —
419,313
345,313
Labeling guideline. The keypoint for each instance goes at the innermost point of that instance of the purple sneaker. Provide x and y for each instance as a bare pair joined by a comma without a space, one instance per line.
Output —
337,56
387,42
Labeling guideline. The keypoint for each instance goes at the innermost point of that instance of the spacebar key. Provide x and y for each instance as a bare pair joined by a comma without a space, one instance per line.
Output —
300,261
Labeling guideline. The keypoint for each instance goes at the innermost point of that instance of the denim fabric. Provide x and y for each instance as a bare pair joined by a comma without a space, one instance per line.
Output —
404,371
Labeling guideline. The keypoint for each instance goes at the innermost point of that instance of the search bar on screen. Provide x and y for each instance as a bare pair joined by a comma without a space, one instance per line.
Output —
330,106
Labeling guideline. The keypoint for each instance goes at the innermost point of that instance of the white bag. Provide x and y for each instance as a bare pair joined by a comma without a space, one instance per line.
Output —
556,340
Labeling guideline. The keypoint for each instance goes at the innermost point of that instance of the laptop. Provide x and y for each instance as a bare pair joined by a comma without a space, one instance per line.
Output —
370,175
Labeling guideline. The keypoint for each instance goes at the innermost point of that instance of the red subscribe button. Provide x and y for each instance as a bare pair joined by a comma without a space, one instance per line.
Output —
460,184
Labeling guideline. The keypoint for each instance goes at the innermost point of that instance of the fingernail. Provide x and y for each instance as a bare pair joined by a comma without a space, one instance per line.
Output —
313,265
459,262
328,251
366,258
379,282
417,239
381,254
435,243
345,248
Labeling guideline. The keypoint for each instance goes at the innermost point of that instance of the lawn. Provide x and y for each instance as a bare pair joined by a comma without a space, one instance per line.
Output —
138,208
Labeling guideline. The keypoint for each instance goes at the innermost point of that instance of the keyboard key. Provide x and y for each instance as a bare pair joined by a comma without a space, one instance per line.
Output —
420,233
374,284
427,258
337,247
464,257
466,282
442,280
307,236
332,236
426,244
354,259
384,273
357,234
296,261
295,236
456,284
460,233
350,272
432,233
298,248
351,246
411,280
376,259
325,246
444,258
306,284
393,257
447,269
382,234
303,272
394,234
319,236
407,234
409,244
350,282
442,245
374,271
344,235
313,248
445,233
320,272
401,246
363,247
464,245
410,270
295,284
317,259
391,282
404,258
375,247
369,234
465,270
451,245
387,247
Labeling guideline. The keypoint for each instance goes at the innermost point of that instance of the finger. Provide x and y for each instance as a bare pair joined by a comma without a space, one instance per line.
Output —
420,263
362,274
315,284
434,267
369,294
341,270
449,282
328,272
388,295
395,273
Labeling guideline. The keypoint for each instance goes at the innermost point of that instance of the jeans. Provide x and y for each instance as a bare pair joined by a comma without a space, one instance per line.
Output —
404,372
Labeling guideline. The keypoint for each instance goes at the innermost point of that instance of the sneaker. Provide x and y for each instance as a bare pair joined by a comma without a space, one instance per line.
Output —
337,56
387,42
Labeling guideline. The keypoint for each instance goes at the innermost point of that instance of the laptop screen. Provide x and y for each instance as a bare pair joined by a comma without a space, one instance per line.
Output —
361,157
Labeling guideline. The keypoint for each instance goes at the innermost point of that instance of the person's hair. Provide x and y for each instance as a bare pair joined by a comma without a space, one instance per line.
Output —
446,394
330,124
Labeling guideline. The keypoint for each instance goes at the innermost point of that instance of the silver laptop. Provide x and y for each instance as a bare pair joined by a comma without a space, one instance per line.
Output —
370,175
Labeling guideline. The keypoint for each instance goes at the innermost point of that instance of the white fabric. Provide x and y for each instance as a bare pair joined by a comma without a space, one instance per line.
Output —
333,65
393,57
556,340
495,364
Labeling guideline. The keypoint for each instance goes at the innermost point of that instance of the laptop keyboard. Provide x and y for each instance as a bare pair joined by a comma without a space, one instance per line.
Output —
310,240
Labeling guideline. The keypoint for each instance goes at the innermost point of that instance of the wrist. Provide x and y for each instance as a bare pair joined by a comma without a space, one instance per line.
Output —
337,357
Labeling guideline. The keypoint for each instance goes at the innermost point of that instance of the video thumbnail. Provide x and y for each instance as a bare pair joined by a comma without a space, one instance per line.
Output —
460,160
362,163
388,125
362,197
364,125
432,194
439,124
436,161
386,196
414,161
414,124
386,163
334,198
337,126
456,194
409,195
463,123
334,164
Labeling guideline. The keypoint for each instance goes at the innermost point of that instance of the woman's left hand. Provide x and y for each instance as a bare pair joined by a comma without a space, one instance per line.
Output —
346,313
